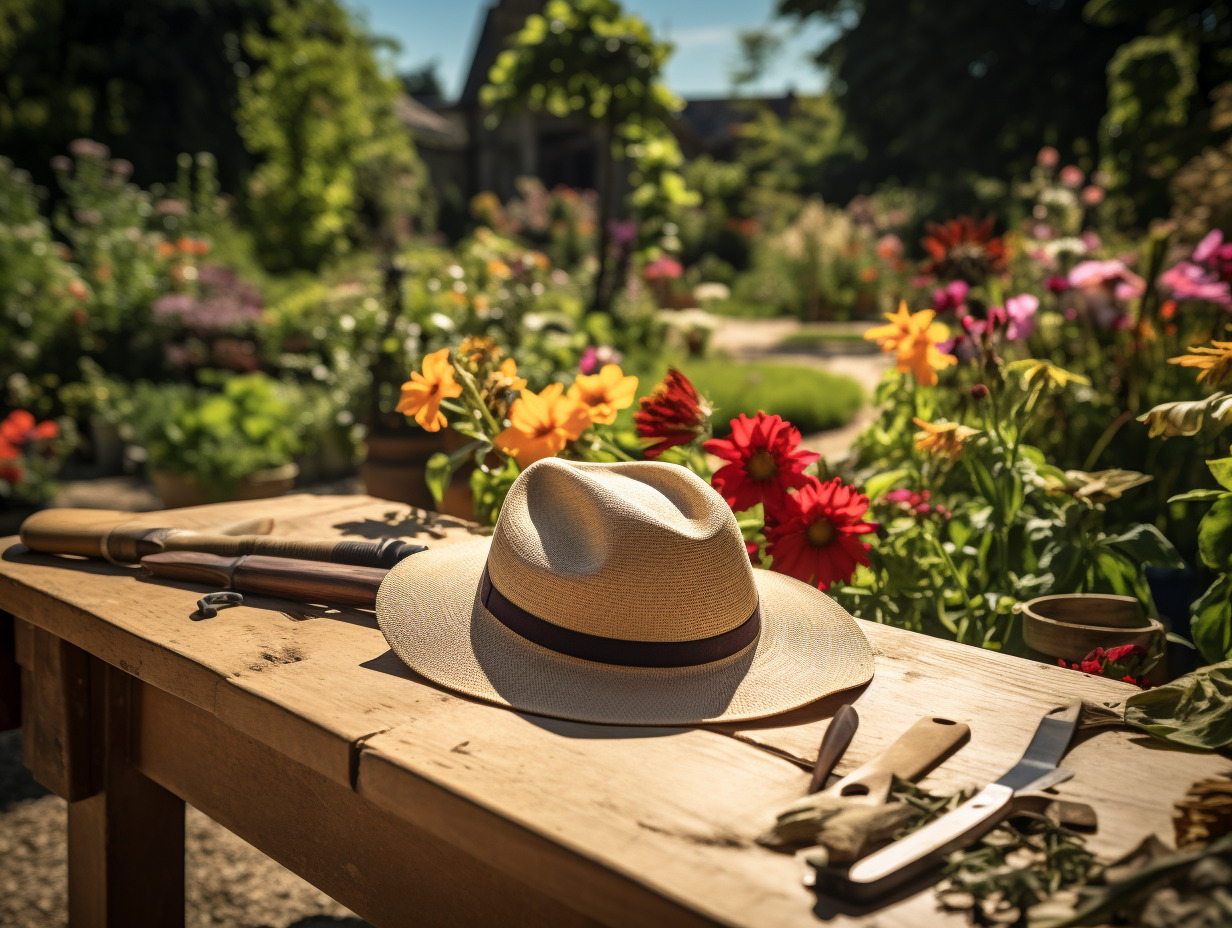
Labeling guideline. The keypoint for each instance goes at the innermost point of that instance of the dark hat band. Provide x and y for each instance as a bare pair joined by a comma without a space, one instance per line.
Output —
621,651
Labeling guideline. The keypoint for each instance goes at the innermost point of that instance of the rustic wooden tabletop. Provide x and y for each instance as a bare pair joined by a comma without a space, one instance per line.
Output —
296,727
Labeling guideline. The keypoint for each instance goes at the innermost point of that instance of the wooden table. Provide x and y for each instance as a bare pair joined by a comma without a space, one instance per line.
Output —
295,727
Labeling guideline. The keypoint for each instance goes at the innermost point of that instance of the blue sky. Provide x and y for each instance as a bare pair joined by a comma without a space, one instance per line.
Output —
704,32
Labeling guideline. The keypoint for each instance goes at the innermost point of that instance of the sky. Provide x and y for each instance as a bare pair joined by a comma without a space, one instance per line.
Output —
703,31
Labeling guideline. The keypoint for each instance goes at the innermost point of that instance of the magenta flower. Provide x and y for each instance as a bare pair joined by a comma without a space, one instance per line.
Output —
1057,283
1208,276
1020,316
951,296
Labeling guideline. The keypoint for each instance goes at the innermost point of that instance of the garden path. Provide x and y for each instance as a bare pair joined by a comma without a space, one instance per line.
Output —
760,340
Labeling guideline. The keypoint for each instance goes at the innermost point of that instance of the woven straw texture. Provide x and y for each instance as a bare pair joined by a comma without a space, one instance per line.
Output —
643,551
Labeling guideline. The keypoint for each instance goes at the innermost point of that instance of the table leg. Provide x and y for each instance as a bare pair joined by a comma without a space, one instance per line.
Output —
10,675
125,842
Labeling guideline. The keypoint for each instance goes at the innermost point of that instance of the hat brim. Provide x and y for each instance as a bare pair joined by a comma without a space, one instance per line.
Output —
429,610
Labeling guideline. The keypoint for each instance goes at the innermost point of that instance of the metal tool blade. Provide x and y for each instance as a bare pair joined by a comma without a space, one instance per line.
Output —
834,742
1047,747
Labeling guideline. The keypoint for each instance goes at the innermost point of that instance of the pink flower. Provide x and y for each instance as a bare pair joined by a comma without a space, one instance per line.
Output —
1189,281
662,268
1057,283
590,360
1048,157
1072,176
1111,276
1020,312
1092,195
951,296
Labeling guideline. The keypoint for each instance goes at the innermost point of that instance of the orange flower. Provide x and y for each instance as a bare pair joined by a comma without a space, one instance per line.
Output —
1215,363
604,393
165,249
498,268
506,377
422,394
192,246
914,337
945,438
542,424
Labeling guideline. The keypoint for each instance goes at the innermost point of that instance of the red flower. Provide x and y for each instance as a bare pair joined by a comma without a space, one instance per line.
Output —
1124,652
673,414
964,249
19,428
9,471
765,462
814,537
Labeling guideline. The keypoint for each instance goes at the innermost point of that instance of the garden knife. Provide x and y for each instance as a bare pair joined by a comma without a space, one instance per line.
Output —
897,863
120,539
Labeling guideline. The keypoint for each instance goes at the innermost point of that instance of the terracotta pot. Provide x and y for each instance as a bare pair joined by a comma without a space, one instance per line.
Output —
177,490
395,468
1071,626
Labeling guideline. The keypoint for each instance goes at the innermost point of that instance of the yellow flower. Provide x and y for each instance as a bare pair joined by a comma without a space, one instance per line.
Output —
945,438
1215,363
1044,374
604,393
913,337
422,394
542,424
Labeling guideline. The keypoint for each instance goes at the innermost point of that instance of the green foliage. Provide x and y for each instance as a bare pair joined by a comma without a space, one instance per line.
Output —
1194,711
937,99
319,112
811,399
1147,135
589,60
811,151
151,79
218,437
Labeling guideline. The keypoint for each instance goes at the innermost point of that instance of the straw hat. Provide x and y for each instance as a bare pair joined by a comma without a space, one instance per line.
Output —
618,593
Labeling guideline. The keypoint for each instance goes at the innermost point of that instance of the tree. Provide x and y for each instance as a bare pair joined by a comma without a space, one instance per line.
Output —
422,81
150,80
589,60
318,111
936,92
757,48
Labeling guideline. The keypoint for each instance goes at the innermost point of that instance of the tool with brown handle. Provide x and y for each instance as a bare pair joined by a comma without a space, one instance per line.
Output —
302,581
920,747
121,540
834,742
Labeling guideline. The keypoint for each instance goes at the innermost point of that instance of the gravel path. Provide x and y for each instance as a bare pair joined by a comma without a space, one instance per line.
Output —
228,882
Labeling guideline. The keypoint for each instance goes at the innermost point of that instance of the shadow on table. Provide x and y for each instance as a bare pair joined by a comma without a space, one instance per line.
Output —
406,523
330,921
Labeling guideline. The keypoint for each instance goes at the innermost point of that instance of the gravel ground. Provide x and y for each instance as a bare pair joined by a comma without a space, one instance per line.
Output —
228,882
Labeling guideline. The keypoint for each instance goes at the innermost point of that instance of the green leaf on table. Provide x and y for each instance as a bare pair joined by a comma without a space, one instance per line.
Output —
1215,535
1221,468
1194,710
1210,621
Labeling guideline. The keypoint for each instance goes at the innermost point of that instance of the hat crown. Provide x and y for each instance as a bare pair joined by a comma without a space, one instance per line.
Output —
642,551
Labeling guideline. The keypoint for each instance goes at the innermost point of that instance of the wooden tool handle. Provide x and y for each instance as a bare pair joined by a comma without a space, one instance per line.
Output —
904,860
915,751
834,742
385,553
302,581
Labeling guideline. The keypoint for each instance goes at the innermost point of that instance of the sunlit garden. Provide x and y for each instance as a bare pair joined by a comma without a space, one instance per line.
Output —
249,266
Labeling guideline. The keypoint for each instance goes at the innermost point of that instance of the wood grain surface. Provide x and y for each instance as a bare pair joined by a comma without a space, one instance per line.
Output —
648,826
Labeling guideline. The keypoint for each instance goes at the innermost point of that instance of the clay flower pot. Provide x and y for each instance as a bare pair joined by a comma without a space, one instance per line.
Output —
1070,626
178,490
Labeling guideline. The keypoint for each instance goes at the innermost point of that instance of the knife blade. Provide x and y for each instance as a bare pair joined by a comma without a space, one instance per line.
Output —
902,861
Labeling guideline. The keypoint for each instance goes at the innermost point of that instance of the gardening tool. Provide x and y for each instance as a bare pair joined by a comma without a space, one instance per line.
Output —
290,578
115,536
902,861
834,742
916,750
852,813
